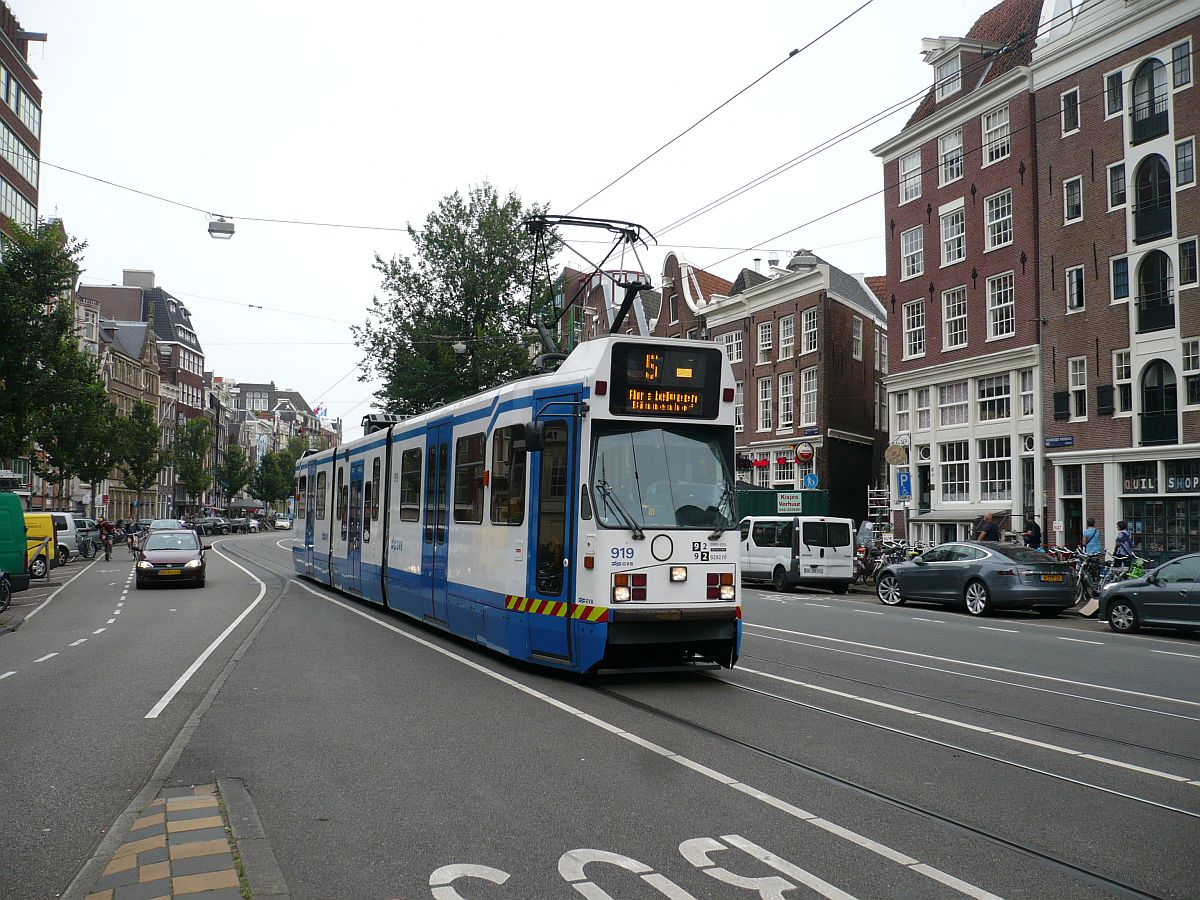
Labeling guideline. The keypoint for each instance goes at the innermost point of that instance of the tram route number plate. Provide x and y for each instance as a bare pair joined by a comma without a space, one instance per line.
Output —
702,551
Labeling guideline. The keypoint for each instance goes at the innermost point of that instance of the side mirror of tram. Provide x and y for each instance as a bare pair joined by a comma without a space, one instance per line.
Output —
535,436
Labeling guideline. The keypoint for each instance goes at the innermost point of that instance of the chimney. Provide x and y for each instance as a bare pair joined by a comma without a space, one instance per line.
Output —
138,278
757,260
773,262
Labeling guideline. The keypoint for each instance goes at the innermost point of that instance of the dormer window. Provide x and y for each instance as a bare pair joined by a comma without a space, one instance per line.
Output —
949,77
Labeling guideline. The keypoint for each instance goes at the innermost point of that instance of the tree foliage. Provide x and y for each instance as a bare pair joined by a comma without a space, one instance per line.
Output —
272,479
467,281
233,472
190,454
36,268
138,459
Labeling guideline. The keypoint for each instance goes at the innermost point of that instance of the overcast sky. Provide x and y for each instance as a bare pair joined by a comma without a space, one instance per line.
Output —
369,112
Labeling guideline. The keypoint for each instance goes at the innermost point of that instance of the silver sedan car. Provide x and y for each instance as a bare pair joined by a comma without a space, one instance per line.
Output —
981,576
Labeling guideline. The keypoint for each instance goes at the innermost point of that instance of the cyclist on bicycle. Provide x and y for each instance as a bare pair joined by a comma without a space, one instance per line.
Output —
107,533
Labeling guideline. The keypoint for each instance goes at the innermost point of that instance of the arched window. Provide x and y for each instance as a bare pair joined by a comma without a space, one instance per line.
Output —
1160,405
1156,298
1150,101
1152,200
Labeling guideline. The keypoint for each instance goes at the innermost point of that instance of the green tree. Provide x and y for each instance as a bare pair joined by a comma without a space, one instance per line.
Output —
190,455
233,472
269,477
138,459
36,268
466,281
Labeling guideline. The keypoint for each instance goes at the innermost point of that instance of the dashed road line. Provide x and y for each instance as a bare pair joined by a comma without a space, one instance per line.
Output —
116,612
1081,641
822,605
869,612
990,628
6,674
1170,653
77,643
46,657
98,630
110,621
934,621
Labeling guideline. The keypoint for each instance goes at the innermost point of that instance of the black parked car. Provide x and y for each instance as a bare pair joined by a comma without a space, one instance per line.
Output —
1168,595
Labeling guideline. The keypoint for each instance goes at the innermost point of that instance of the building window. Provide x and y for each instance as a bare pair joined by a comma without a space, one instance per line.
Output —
996,142
765,422
1116,186
785,472
994,394
954,240
910,176
922,409
1070,111
808,327
1185,162
764,342
739,402
1187,262
1027,392
954,318
1002,315
881,407
1191,371
1072,200
14,205
808,397
762,474
956,475
995,469
999,226
1114,93
1077,367
1181,64
19,156
786,398
1123,380
732,340
902,414
912,252
914,329
1120,278
1075,289
856,338
949,77
881,343
950,154
952,403
673,305
787,337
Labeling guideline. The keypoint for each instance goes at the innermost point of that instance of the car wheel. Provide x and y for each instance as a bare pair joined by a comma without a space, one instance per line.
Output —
225,530
888,590
1122,617
779,579
841,588
88,550
978,598
63,554
137,584
5,594
200,583
38,568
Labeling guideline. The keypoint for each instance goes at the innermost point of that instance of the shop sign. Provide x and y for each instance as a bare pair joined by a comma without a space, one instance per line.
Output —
1183,476
789,503
1139,478
1057,526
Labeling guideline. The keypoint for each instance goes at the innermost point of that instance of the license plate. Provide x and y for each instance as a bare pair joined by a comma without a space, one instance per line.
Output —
1052,578
180,572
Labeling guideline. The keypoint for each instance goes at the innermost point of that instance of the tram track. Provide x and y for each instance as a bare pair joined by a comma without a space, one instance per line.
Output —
979,709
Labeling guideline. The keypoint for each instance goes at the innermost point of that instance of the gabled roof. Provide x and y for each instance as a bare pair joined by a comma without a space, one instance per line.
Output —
168,321
651,304
1013,25
747,278
853,291
878,285
711,285
128,338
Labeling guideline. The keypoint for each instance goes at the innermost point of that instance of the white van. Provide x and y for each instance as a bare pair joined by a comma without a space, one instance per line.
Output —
793,551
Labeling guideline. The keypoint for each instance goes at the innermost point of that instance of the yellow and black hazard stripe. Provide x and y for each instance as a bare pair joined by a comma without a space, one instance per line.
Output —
581,611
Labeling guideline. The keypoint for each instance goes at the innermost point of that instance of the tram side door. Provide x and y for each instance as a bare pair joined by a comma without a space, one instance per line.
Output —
554,481
310,495
435,534
354,532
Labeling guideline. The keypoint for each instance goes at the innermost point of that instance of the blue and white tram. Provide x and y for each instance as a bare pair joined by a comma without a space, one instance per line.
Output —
575,519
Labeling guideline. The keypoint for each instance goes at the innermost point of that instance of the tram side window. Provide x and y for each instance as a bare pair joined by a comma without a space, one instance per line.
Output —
343,499
322,482
468,478
366,529
508,478
373,501
410,486
302,497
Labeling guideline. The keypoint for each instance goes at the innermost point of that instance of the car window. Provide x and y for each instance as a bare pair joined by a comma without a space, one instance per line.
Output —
1180,570
963,553
745,527
1017,553
172,542
764,534
937,554
784,537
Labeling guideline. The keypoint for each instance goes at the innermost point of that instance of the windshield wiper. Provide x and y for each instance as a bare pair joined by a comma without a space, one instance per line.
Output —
609,496
726,502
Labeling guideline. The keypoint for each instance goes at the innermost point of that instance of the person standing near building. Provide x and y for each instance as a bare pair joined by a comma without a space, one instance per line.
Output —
988,529
1124,544
1032,533
1092,542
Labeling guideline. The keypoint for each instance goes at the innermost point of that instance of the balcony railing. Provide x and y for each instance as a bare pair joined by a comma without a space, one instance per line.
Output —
1148,120
1152,220
1160,428
1156,311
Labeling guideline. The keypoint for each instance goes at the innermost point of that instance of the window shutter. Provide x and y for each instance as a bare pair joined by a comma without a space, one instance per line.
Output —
1062,405
1104,400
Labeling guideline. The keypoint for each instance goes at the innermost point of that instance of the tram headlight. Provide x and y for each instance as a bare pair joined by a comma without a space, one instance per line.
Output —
679,573
621,594
727,592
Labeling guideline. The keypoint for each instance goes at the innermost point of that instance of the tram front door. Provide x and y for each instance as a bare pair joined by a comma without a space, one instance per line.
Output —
354,532
435,545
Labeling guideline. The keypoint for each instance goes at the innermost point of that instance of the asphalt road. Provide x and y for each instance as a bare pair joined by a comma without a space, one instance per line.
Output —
856,750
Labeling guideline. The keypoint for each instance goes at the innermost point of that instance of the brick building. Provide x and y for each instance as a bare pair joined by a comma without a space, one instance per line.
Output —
1117,116
961,200
20,124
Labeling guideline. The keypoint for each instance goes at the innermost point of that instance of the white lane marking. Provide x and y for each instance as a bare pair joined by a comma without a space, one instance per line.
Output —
199,661
959,724
1169,653
46,657
1082,641
42,605
120,604
869,612
822,605
990,628
98,630
110,621
77,643
6,674
975,665
1015,684
116,612
935,621
860,840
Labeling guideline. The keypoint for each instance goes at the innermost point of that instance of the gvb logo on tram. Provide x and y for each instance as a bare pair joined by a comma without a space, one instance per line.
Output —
579,519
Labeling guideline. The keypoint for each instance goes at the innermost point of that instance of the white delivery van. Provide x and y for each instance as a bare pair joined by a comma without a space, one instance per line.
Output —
798,551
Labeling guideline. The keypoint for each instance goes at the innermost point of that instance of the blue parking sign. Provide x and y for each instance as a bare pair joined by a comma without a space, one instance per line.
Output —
903,485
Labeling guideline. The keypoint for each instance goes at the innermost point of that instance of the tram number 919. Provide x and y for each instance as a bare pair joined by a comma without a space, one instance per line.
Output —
622,553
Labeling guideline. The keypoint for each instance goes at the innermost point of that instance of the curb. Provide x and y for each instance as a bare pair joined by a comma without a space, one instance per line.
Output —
258,859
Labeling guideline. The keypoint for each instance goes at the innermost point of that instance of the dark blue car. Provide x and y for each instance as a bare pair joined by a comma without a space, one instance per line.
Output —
1168,595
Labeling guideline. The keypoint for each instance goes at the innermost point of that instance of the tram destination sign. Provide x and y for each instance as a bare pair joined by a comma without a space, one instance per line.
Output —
665,381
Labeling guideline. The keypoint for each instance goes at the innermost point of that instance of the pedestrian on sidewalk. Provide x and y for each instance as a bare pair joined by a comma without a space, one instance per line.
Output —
988,530
1093,544
1124,544
1032,533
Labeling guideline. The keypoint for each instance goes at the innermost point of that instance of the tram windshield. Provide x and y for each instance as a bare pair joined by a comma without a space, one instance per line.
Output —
661,477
